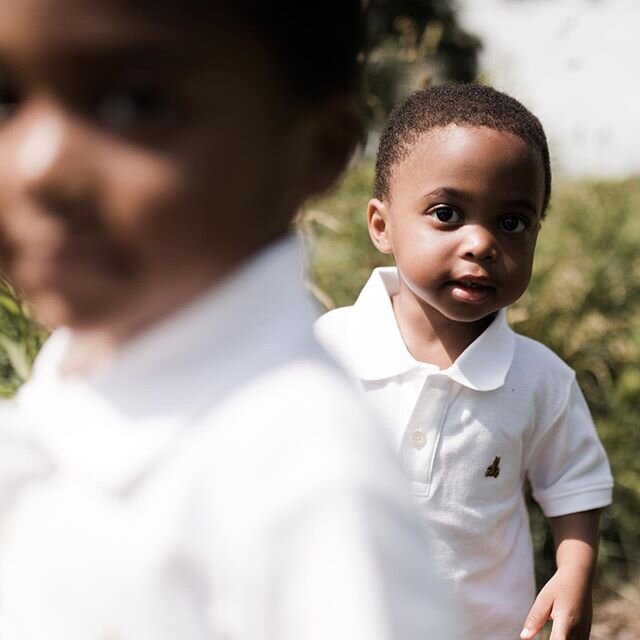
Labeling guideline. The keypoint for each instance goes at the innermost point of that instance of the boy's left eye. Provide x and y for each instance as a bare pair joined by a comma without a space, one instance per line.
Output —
446,214
514,224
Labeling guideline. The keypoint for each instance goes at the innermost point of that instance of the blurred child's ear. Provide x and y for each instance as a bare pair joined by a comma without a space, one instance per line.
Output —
332,135
377,221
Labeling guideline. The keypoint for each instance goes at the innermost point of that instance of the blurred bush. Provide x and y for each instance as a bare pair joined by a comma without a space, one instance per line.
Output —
20,340
411,44
583,302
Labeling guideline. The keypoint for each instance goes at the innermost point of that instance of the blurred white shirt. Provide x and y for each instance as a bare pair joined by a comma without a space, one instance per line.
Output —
217,480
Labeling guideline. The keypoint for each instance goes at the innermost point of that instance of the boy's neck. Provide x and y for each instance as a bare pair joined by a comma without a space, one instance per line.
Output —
95,345
431,337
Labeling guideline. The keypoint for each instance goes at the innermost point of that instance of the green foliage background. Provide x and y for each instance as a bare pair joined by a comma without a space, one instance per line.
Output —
20,340
411,44
583,302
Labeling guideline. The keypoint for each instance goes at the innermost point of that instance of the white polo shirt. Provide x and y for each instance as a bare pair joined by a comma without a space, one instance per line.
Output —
508,409
217,480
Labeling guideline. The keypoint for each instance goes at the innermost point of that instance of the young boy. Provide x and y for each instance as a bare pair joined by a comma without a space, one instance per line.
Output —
188,464
462,185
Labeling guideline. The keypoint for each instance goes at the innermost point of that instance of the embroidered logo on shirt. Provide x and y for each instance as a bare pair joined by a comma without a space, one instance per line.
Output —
493,470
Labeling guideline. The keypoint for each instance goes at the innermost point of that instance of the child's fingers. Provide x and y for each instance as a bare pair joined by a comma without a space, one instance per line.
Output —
538,615
561,628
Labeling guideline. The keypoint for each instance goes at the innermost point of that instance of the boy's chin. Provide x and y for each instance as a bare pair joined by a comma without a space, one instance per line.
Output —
471,314
54,309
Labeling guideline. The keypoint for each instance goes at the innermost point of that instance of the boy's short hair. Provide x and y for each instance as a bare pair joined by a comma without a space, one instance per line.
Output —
462,104
315,44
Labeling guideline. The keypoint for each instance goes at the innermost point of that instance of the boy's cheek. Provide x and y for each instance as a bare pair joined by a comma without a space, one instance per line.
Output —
169,217
139,188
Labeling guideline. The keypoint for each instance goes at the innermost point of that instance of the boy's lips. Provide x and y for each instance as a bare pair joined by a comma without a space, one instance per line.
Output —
472,289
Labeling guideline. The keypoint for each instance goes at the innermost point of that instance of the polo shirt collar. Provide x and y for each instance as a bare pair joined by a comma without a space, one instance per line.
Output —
378,351
115,423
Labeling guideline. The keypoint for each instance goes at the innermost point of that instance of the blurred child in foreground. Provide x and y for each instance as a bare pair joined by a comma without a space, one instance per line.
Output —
463,181
188,463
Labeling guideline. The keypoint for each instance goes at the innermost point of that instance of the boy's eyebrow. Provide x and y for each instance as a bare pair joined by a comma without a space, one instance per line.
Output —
110,52
115,53
523,203
450,192
444,192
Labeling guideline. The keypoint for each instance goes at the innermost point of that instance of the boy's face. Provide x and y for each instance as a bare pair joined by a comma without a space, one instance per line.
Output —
138,161
461,220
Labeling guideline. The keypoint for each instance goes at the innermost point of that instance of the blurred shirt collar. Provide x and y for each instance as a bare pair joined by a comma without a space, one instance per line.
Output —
113,423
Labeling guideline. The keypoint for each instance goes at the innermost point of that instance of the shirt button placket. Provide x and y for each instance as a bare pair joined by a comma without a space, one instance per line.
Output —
420,443
418,439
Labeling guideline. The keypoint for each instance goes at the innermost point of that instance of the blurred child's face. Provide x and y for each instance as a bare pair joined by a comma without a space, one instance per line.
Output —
462,219
138,161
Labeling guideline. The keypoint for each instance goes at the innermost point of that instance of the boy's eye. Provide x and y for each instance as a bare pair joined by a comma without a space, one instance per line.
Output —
445,214
514,224
134,108
9,98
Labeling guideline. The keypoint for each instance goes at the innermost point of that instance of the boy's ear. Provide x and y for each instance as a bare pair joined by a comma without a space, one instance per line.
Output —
377,221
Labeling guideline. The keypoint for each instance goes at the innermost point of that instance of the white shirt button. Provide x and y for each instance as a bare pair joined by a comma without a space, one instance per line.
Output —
418,439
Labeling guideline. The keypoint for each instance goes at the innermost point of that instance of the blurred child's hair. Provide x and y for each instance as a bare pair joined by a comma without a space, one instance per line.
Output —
315,44
462,104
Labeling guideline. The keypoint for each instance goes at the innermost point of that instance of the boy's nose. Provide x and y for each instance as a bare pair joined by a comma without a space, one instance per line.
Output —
40,149
48,160
480,244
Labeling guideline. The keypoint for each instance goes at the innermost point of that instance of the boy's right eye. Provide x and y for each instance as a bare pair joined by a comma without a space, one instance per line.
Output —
9,98
134,107
446,215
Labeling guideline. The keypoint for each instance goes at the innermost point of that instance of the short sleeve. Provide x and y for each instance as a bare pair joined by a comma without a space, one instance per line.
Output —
568,467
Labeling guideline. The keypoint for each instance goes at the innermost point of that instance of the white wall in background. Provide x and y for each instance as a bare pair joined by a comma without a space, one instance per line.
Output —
576,64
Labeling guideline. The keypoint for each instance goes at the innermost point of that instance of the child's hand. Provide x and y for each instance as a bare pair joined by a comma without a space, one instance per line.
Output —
566,599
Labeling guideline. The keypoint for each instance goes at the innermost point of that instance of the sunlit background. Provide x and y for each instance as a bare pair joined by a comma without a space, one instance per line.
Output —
576,64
